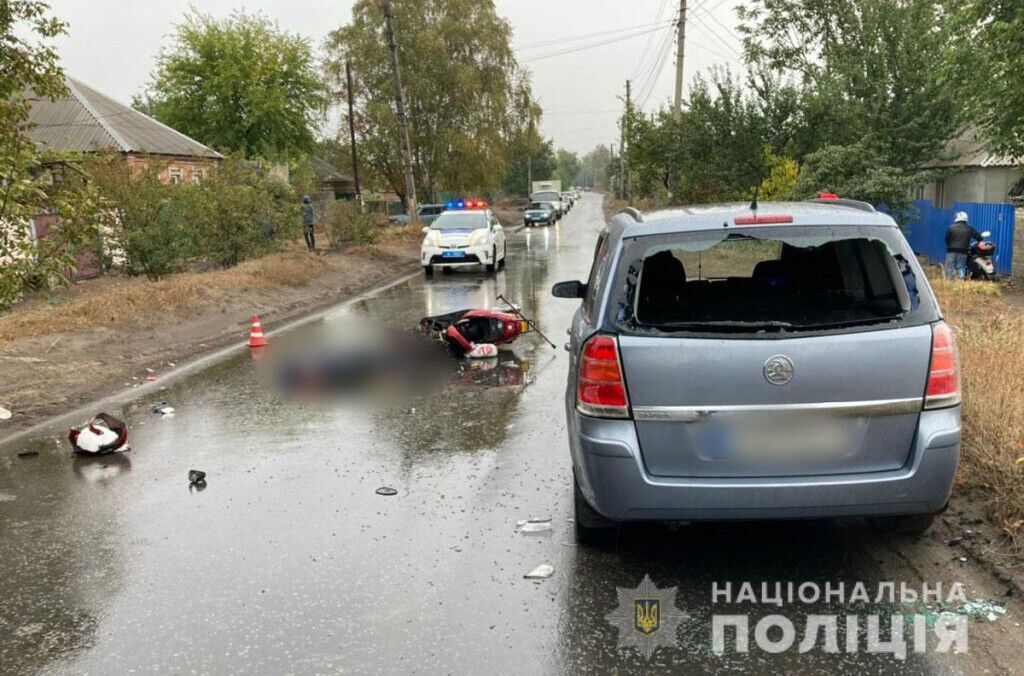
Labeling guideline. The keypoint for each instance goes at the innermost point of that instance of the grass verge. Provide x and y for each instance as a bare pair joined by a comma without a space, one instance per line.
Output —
989,331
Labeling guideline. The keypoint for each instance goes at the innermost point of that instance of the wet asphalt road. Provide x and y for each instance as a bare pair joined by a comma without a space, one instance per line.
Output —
289,562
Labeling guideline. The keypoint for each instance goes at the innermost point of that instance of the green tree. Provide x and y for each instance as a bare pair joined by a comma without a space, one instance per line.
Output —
568,168
859,172
30,70
868,70
541,164
240,84
985,66
469,104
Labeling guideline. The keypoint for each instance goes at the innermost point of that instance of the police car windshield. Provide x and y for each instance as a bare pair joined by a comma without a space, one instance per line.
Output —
464,220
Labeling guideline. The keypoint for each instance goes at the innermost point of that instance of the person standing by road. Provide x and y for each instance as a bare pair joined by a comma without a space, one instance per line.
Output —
958,245
309,221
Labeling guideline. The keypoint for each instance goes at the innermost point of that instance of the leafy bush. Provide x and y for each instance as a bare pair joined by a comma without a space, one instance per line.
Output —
345,224
235,214
243,215
857,171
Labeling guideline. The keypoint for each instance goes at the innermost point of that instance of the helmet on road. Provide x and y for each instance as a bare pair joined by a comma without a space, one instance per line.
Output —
961,217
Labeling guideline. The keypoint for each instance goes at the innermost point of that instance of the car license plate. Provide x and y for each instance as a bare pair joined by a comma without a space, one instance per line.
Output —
765,437
453,254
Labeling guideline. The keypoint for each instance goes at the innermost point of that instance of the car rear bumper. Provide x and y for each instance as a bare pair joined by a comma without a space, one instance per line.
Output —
612,478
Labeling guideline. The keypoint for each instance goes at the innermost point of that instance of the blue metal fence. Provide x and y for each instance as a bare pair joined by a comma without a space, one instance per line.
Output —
926,232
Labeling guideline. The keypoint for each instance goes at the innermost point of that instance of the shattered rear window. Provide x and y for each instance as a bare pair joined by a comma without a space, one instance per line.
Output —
769,280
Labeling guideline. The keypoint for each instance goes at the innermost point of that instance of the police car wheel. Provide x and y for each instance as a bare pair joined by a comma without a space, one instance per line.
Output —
428,270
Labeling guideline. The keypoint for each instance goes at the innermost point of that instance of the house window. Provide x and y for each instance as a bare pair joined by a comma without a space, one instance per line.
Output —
197,176
175,175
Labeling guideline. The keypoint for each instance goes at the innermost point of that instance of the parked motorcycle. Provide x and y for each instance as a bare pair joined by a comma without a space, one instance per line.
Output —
979,259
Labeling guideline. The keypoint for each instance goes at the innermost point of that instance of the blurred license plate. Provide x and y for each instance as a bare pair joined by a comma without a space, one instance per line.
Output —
453,254
780,438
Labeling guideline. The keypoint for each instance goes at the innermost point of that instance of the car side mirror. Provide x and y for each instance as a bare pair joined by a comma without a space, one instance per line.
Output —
986,234
425,230
573,289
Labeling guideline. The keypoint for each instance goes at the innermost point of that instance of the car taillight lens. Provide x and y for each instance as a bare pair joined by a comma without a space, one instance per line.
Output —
601,390
944,370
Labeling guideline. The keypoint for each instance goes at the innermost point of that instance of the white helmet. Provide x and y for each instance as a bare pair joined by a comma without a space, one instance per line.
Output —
961,217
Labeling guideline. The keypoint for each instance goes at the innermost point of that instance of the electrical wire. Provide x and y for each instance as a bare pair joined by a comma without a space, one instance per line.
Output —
650,40
588,36
592,45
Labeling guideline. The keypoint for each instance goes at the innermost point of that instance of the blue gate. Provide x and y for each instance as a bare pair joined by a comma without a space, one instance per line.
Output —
926,230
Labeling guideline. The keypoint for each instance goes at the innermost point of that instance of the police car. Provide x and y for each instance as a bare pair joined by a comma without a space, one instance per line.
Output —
466,233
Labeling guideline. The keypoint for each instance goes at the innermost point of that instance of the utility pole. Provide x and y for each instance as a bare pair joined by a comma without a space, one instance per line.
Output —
677,103
622,146
352,136
529,160
403,127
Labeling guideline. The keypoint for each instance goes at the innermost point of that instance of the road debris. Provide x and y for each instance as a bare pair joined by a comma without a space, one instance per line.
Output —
534,526
196,480
5,414
29,454
953,542
541,572
387,490
102,434
150,378
163,409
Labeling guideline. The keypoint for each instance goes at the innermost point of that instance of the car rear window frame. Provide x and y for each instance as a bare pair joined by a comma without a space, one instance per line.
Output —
620,305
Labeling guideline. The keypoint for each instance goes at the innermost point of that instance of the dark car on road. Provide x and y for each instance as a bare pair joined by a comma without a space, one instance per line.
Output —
540,212
788,362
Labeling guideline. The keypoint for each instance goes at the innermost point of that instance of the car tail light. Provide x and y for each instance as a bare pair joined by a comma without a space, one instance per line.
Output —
601,390
944,370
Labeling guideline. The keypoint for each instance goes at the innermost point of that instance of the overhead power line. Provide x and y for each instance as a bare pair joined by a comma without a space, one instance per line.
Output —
588,36
592,45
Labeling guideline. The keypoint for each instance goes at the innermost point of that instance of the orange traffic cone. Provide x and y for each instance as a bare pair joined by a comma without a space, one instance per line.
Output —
256,338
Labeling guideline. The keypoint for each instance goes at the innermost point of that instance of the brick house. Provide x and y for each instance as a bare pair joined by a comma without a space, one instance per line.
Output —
85,121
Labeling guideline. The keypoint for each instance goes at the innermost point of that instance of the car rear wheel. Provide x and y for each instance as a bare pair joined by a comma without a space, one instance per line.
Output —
911,524
590,527
504,254
491,267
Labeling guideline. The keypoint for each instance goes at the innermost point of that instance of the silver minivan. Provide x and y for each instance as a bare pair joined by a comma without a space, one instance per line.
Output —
785,362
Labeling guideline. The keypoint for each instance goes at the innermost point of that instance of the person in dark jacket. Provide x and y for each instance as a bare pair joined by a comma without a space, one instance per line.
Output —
958,245
309,220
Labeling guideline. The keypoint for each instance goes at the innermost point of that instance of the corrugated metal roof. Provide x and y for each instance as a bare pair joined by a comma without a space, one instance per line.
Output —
969,151
325,171
88,121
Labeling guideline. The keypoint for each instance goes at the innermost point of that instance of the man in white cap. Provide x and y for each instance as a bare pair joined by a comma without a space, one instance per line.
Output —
958,244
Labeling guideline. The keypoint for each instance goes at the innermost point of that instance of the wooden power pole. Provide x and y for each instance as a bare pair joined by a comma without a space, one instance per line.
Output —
677,102
403,126
352,135
622,147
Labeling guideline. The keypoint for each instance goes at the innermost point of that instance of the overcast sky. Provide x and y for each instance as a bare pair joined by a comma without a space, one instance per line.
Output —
112,45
